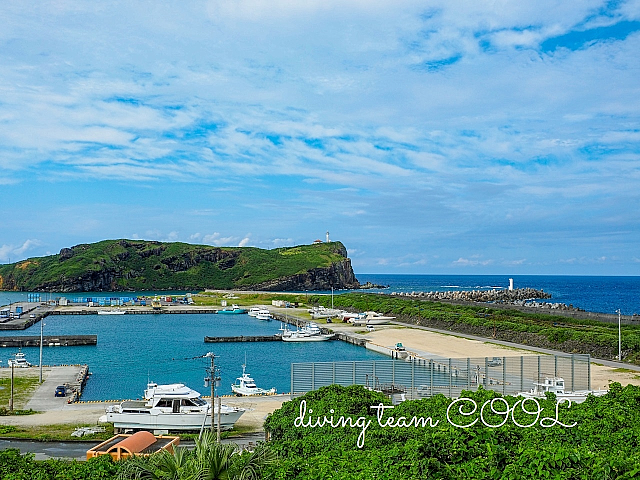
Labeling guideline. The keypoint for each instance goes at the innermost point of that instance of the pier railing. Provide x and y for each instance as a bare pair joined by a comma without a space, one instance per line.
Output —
419,378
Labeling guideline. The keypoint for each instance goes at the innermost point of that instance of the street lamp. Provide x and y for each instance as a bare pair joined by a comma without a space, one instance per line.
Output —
41,338
619,338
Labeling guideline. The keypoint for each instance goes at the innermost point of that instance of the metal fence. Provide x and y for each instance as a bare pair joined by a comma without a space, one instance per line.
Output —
418,378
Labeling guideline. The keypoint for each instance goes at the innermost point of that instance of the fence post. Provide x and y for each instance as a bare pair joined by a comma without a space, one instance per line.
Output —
522,373
413,376
431,375
469,373
504,376
573,371
555,365
588,372
354,373
538,377
486,372
450,378
393,372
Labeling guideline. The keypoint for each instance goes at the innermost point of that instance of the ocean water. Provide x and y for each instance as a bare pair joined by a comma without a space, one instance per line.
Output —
163,348
593,294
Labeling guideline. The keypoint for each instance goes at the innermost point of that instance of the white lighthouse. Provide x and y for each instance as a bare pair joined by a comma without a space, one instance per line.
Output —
510,284
328,236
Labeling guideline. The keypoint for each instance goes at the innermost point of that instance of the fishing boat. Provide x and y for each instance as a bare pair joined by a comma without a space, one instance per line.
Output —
19,360
169,407
115,311
556,385
245,386
310,333
234,309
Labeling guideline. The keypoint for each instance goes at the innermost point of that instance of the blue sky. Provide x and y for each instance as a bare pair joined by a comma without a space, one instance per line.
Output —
462,137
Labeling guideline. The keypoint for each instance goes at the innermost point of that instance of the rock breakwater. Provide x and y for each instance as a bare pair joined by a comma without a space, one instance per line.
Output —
483,296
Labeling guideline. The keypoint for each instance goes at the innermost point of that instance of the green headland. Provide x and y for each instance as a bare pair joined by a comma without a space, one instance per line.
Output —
138,265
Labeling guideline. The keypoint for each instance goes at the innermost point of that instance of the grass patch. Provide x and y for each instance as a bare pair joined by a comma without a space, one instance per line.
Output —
23,388
60,432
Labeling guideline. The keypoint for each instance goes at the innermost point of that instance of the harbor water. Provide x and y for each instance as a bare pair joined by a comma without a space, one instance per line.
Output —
162,348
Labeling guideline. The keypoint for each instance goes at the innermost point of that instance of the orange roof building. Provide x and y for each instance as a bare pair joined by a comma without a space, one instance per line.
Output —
140,443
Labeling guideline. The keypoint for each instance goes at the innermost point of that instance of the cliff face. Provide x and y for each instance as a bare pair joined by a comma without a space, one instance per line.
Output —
339,276
127,265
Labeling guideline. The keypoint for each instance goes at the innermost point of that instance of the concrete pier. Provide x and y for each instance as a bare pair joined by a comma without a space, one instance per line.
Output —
49,341
241,338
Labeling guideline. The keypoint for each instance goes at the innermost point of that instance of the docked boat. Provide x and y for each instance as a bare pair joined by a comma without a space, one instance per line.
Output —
169,407
556,385
19,361
310,333
264,314
115,311
253,311
245,386
234,309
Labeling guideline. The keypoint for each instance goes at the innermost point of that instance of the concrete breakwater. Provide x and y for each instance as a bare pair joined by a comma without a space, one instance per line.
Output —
241,338
49,340
499,296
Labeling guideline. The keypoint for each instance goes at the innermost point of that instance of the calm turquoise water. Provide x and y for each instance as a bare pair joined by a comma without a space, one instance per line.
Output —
134,348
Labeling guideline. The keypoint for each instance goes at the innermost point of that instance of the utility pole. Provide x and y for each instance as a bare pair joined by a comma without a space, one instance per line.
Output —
41,337
619,337
213,378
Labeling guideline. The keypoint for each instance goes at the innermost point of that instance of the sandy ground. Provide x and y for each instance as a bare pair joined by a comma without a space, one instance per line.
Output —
425,342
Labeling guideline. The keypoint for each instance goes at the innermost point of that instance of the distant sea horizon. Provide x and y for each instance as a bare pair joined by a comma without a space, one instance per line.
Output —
602,294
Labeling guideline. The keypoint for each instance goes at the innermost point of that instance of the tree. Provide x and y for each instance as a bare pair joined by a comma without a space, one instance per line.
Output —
208,461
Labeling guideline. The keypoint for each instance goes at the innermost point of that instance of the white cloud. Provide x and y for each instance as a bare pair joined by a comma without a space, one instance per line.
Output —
15,253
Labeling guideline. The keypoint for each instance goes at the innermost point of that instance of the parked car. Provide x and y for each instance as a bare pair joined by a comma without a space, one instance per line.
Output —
495,362
61,391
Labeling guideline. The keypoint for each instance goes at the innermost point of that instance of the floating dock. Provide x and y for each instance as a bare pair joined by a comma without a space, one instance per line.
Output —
49,341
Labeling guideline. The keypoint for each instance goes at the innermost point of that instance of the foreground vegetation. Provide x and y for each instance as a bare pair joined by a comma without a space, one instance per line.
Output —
604,444
537,329
207,461
135,265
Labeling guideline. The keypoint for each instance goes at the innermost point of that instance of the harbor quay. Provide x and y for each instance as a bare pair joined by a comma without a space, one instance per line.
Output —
48,340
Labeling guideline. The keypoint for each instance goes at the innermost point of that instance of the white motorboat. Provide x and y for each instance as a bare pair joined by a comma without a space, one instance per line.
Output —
374,318
371,318
115,311
245,386
264,314
169,407
19,360
253,311
556,385
310,333
322,312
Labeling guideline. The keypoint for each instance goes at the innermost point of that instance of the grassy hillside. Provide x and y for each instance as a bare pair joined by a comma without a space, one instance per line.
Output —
144,265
